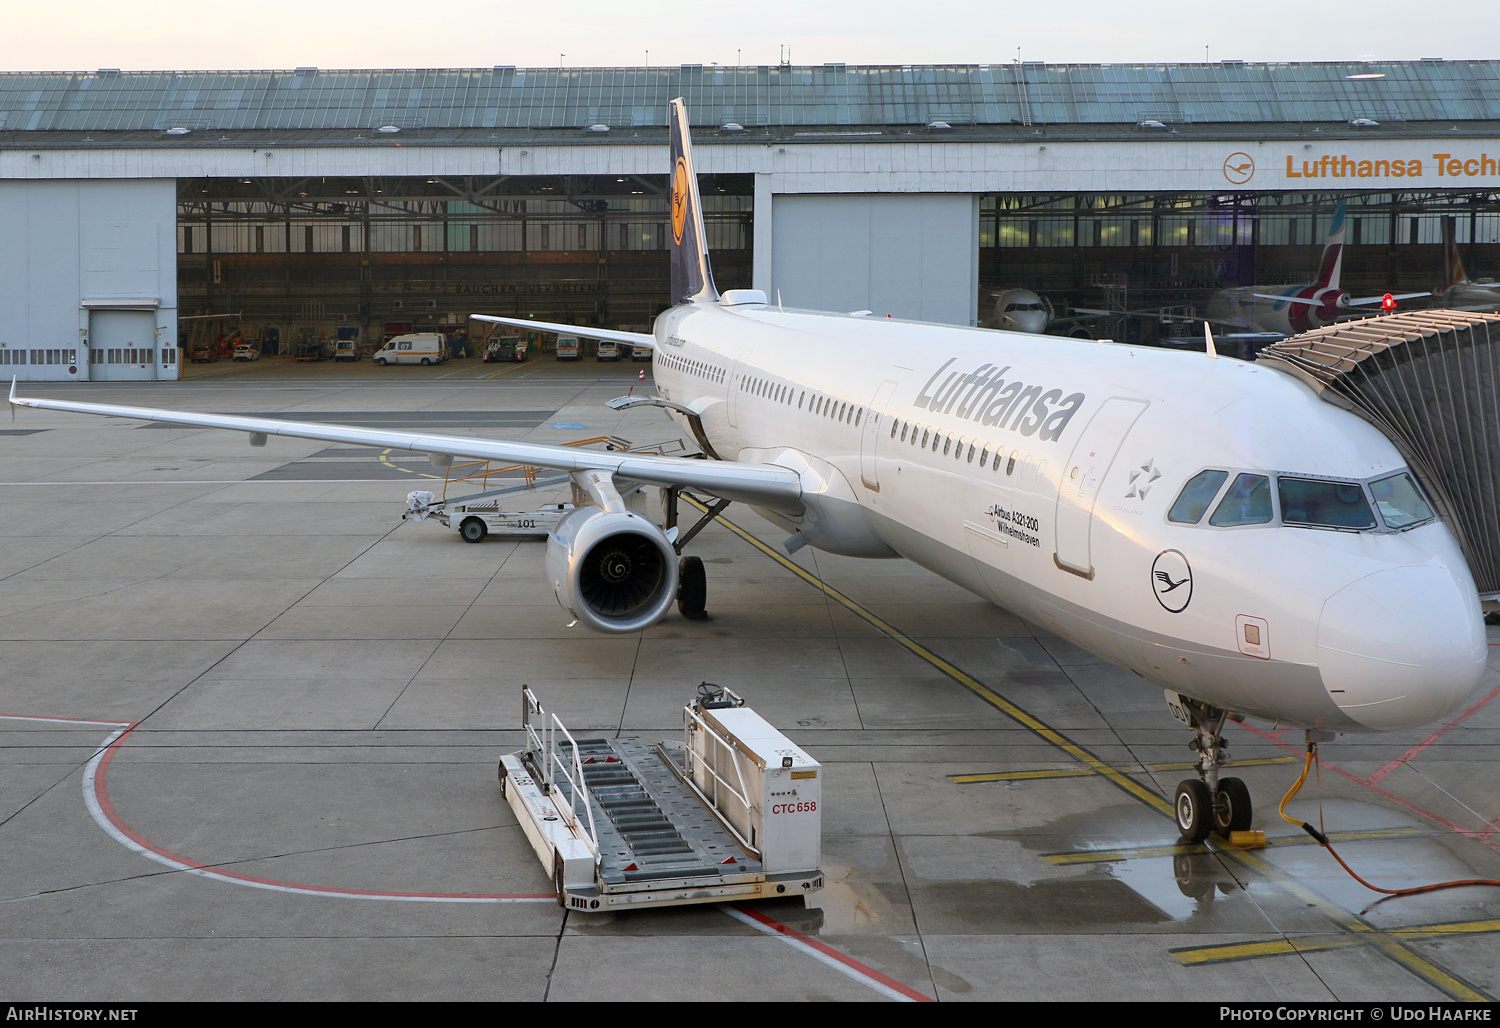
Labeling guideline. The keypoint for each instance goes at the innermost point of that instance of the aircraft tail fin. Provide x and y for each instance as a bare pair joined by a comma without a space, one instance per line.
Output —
692,278
1333,250
1453,264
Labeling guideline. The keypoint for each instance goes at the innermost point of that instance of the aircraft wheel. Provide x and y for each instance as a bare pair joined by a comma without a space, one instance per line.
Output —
692,589
473,530
1194,807
1232,807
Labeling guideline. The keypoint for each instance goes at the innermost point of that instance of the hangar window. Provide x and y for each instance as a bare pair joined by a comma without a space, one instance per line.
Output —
1320,504
1196,496
1246,502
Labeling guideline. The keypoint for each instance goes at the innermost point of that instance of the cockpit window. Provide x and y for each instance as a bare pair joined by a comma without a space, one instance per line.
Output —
1313,502
1399,501
1248,502
1196,496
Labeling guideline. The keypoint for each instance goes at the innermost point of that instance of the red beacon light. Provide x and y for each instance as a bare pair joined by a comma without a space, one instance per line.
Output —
1387,303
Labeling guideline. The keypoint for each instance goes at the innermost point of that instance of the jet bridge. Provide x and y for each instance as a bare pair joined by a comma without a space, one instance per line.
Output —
1429,380
731,813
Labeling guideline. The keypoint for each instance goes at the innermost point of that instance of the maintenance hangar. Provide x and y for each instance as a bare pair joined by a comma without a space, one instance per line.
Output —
148,215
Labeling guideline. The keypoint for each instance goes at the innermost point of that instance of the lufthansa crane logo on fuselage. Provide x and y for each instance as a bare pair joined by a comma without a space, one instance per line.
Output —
1239,168
1172,580
679,200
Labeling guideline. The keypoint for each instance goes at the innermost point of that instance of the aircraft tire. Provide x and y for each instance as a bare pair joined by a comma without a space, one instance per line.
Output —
1194,808
473,530
692,589
1232,807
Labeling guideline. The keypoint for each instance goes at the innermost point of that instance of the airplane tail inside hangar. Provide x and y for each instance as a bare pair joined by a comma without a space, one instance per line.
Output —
154,216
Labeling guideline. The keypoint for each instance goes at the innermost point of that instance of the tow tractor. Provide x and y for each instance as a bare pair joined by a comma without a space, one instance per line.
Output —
730,813
479,515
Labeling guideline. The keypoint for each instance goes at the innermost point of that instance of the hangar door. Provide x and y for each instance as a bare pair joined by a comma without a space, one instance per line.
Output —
910,255
122,345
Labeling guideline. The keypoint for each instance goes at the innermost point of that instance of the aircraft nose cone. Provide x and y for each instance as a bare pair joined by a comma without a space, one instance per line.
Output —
1401,648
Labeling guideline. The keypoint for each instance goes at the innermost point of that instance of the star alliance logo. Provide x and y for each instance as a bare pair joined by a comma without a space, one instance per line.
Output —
1141,480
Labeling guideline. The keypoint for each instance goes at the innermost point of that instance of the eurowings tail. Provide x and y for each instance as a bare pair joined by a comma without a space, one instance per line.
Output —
1333,251
692,278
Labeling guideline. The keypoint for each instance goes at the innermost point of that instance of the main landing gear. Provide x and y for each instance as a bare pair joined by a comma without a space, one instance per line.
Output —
692,582
1208,803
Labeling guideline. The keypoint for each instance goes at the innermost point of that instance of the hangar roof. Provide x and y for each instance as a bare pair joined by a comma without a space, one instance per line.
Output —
445,102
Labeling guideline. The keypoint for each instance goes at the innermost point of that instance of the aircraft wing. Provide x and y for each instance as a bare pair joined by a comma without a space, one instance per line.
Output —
639,340
764,485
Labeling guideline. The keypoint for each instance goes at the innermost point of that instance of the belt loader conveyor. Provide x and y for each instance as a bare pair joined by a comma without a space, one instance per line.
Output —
730,814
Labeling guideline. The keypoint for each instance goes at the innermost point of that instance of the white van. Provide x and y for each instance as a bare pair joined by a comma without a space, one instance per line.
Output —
413,348
567,348
608,351
346,350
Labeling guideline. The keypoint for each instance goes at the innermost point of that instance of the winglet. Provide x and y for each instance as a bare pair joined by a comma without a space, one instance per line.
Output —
1208,341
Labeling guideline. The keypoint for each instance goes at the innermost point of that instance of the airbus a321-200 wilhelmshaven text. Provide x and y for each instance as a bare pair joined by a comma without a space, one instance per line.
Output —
1208,523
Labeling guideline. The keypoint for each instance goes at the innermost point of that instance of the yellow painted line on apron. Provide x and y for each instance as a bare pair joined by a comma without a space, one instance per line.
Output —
1184,849
1393,948
1231,951
1017,776
1199,955
409,471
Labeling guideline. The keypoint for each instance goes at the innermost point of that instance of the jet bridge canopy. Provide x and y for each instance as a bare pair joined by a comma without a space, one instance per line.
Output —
1430,380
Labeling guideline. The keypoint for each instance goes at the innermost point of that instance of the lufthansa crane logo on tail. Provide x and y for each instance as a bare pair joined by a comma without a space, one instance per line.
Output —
1172,580
679,200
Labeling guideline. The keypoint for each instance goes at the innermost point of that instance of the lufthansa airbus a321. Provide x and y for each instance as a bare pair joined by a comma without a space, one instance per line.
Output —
1207,523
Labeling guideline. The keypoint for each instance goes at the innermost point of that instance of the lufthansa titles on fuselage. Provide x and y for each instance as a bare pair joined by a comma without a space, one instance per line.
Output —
986,396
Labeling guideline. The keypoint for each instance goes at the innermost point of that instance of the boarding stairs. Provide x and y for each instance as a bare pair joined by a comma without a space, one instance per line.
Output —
623,823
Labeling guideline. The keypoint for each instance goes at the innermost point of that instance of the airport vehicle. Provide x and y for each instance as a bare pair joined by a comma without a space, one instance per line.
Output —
1211,524
1458,291
1272,312
640,353
346,350
731,813
567,348
511,349
246,352
413,348
608,350
205,353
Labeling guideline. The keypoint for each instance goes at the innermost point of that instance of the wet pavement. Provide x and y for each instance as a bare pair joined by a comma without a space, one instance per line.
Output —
250,721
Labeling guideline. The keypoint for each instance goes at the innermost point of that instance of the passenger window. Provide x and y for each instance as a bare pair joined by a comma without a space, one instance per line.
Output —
1248,502
1196,496
925,432
1308,501
1399,502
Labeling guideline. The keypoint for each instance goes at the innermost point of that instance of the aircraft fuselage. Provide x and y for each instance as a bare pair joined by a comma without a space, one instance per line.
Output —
1041,477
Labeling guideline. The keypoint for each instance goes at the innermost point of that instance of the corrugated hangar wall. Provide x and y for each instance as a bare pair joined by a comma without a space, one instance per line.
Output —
910,255
88,262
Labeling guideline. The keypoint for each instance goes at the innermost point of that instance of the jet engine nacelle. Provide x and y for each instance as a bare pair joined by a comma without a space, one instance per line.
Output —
613,570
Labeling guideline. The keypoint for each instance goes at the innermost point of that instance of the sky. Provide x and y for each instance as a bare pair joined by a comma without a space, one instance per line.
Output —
82,35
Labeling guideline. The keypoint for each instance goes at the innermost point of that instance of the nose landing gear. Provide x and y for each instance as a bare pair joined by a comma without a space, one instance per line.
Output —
1208,803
